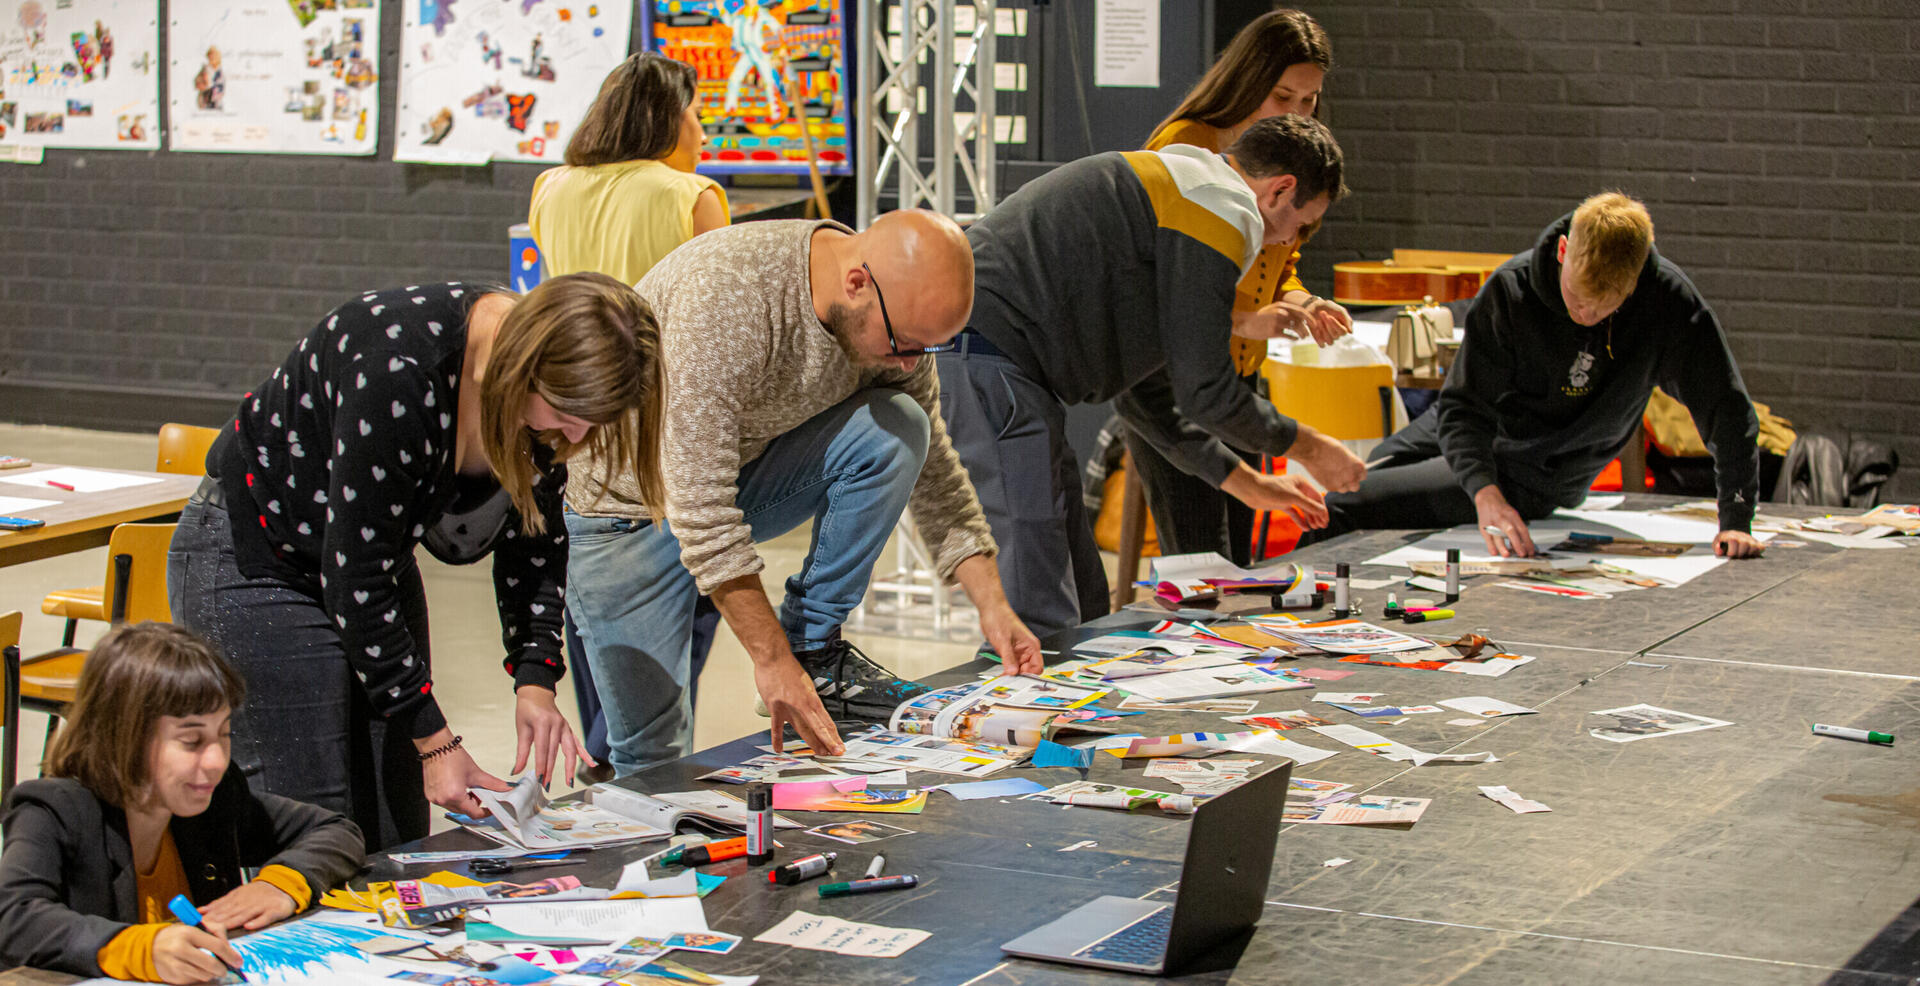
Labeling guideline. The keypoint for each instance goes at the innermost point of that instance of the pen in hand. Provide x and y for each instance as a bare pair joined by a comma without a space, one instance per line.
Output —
183,909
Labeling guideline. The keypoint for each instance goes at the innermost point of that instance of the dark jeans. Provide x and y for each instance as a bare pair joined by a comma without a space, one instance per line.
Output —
1189,513
1011,434
1415,488
306,730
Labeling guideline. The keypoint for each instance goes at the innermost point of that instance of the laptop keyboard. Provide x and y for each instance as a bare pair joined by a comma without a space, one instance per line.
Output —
1143,942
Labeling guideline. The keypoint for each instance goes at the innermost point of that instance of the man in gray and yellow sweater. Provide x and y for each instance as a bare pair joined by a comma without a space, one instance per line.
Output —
795,392
1112,278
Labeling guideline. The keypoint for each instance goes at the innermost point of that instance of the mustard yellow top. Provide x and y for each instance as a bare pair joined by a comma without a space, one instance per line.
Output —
1273,274
614,219
129,955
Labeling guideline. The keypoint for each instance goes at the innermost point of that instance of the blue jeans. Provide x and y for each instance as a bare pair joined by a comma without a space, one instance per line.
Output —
850,469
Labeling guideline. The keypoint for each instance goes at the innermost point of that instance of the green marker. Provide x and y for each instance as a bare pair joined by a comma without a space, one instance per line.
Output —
1860,735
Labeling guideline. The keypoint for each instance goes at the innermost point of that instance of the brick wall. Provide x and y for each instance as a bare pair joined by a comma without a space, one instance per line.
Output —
195,273
1777,143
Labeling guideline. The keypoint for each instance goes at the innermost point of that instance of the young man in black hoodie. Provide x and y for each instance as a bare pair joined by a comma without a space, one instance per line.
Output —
1564,345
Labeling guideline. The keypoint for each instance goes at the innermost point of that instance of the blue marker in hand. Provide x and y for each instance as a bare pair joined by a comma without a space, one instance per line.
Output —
183,909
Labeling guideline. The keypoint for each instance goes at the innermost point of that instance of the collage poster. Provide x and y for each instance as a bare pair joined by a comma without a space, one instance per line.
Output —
80,73
762,66
502,80
274,76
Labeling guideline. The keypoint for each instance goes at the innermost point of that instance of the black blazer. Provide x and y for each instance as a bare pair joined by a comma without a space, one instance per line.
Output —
67,879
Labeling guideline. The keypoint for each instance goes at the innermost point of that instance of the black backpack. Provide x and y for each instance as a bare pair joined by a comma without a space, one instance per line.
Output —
1819,472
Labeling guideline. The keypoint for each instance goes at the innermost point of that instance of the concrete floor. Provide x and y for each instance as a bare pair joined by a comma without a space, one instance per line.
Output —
475,694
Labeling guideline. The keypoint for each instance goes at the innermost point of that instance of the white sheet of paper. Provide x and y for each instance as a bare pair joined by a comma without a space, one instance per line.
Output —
830,934
1552,531
1381,746
1480,705
1850,540
1126,43
634,879
1279,746
82,480
14,506
1506,797
1601,501
595,920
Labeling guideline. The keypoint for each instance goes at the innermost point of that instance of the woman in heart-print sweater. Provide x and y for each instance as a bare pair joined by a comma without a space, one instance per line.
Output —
436,414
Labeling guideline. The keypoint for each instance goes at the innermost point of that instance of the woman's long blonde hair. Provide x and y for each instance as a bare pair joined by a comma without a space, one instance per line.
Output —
590,347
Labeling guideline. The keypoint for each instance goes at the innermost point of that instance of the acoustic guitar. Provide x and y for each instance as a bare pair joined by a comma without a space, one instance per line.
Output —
1414,277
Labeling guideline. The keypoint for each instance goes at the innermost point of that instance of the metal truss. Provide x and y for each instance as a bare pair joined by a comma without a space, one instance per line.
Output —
927,80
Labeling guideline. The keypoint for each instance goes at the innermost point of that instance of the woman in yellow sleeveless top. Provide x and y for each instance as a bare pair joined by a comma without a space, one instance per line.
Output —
626,198
628,195
1274,66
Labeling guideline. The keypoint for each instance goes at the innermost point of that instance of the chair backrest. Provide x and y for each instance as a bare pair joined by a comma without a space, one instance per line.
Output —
145,581
10,624
1345,402
183,449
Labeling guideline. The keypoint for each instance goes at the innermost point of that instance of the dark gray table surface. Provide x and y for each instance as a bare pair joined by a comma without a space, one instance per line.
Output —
1751,853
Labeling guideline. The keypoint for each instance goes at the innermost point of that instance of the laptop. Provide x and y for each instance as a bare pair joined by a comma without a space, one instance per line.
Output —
1223,889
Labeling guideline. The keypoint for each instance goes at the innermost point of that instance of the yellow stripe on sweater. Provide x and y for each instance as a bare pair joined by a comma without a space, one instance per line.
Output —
1176,212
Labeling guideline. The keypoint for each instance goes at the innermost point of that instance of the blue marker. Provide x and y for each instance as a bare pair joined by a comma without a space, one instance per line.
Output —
183,909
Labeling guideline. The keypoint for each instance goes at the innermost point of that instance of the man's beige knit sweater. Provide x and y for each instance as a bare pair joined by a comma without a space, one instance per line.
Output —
747,361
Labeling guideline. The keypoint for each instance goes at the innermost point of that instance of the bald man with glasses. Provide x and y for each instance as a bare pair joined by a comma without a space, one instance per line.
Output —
795,393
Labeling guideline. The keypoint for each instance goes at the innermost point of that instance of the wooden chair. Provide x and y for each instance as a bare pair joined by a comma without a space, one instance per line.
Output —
183,451
136,585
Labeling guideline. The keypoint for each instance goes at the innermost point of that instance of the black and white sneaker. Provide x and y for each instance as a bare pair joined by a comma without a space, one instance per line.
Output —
852,686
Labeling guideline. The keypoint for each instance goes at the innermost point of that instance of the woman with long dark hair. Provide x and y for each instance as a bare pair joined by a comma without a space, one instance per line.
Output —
1274,66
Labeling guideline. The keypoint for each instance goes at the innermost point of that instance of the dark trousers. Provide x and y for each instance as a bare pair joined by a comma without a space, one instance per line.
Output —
1415,488
306,730
1011,434
1189,513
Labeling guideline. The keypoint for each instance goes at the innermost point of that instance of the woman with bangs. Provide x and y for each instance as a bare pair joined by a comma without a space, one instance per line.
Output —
431,414
141,803
1275,66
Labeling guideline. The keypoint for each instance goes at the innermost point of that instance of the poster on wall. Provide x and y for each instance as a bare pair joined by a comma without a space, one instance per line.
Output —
761,66
80,73
502,80
274,76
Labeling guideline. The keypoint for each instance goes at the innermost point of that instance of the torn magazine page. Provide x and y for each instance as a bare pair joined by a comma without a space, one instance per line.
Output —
1366,809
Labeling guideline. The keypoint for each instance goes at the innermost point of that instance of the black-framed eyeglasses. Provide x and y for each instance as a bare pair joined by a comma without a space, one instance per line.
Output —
893,342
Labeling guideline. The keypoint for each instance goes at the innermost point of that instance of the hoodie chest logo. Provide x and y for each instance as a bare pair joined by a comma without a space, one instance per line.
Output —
1579,376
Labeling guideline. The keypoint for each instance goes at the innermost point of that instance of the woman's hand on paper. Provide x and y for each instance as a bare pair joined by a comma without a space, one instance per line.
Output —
1737,544
448,776
252,906
545,733
187,954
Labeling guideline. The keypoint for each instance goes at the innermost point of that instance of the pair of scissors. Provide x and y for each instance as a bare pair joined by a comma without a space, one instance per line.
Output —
490,866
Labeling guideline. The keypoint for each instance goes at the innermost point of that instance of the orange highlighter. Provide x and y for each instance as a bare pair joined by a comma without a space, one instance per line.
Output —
711,852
